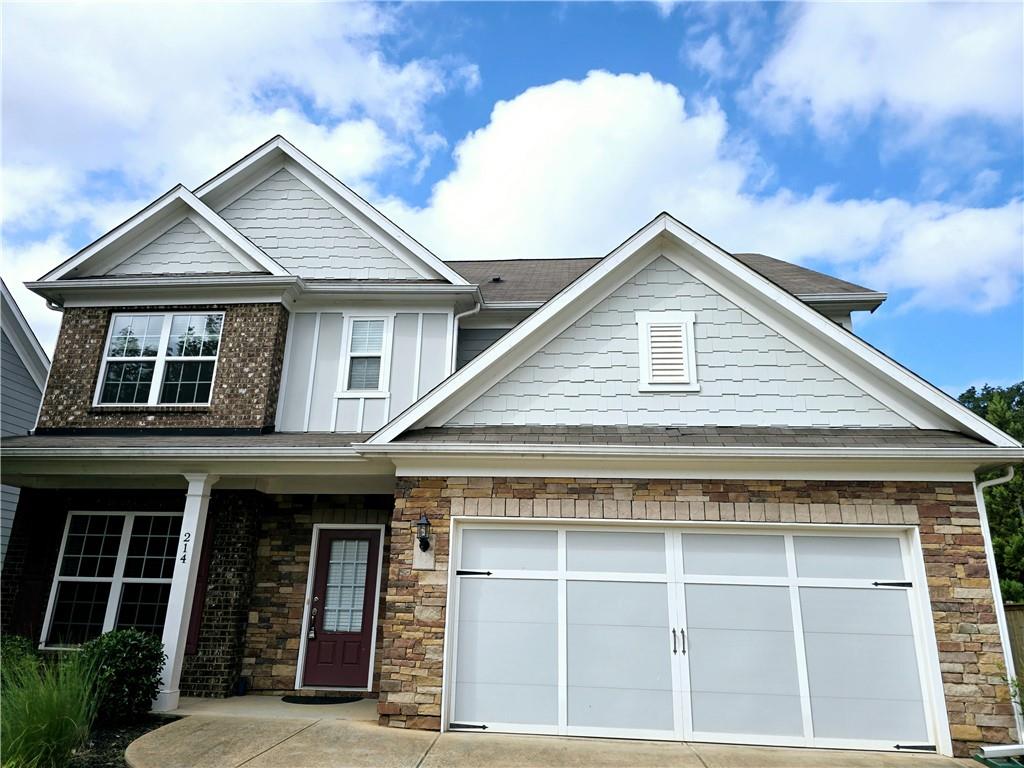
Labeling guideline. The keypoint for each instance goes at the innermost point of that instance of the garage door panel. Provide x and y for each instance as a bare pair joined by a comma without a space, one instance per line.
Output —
507,653
617,603
751,714
724,554
502,549
506,703
873,611
848,557
508,600
727,661
616,708
878,719
738,607
614,552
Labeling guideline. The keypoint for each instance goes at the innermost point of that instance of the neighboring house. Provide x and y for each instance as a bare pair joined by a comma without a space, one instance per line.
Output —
23,370
665,494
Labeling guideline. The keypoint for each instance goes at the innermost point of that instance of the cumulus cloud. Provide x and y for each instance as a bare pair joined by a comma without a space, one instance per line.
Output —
568,169
920,63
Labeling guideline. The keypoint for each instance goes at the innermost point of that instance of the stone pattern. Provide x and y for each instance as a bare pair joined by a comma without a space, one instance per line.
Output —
274,621
233,524
970,653
245,391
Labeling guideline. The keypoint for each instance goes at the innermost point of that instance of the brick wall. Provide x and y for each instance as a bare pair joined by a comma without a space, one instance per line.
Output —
282,566
233,525
970,655
245,390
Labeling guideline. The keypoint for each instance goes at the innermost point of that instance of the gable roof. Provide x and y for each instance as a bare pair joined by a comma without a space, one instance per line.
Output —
24,340
922,404
151,222
537,280
279,153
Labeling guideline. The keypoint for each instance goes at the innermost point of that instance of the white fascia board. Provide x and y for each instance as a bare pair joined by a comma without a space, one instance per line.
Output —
173,290
898,388
280,153
24,341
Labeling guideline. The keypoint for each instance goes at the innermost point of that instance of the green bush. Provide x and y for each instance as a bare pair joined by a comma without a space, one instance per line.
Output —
128,664
15,652
46,710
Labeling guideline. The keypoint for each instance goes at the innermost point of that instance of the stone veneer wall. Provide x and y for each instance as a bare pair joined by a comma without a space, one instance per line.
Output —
282,565
233,524
245,390
970,654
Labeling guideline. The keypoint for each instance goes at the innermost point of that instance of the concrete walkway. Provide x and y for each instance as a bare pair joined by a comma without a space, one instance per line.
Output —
262,732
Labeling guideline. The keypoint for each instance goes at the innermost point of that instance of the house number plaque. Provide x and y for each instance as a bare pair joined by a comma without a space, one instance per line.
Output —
186,537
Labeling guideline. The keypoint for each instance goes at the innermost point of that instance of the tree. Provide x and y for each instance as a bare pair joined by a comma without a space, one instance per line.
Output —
1004,408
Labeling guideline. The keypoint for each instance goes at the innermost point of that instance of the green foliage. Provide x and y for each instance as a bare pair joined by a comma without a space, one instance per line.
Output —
1004,407
16,651
46,710
128,664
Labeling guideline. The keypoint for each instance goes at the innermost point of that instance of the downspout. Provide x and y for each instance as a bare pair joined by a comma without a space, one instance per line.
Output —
455,332
997,593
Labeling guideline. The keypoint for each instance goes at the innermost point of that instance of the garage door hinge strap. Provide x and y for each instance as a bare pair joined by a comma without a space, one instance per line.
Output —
472,573
918,747
466,727
892,583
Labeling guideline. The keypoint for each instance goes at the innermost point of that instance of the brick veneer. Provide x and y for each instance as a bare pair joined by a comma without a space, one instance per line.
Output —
245,391
282,565
970,654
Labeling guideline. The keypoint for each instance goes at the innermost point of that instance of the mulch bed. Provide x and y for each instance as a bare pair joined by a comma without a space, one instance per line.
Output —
106,745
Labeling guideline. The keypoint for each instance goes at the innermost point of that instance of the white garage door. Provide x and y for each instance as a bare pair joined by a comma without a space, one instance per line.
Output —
757,636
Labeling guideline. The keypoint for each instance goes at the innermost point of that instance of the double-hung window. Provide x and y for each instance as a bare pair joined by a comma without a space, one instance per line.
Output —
115,572
365,355
160,359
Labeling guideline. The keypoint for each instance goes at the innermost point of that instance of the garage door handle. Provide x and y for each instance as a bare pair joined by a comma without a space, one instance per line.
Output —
682,639
674,649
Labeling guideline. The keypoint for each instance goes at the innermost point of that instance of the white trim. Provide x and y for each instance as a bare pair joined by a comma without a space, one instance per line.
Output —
288,341
685,321
898,388
312,370
279,152
310,575
24,341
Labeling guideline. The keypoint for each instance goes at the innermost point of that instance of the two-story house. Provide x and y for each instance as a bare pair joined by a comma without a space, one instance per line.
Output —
664,494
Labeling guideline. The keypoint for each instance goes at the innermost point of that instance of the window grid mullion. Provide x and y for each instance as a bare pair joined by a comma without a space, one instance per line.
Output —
114,597
161,358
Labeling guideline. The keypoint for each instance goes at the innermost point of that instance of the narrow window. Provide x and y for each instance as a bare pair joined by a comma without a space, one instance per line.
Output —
366,348
667,354
115,572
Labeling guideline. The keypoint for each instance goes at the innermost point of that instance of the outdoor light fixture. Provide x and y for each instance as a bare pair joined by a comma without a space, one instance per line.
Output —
423,532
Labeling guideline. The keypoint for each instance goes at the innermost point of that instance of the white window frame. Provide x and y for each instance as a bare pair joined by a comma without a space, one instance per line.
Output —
686,321
116,581
159,362
384,381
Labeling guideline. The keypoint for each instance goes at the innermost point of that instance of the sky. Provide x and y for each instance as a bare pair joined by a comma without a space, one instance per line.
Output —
879,142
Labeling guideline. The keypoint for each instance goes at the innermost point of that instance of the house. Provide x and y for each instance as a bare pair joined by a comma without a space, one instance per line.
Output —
23,370
665,494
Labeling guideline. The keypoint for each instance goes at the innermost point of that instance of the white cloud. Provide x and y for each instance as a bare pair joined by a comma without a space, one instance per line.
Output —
709,56
568,169
921,63
21,264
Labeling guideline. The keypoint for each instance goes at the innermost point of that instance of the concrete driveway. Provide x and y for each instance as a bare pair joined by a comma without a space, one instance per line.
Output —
256,735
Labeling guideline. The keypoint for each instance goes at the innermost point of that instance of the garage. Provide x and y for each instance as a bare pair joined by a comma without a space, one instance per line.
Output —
763,635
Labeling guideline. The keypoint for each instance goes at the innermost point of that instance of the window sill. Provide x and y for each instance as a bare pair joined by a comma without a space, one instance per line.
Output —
360,393
147,408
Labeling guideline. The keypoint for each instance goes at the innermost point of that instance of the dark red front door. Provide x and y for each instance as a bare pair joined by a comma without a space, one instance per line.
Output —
339,633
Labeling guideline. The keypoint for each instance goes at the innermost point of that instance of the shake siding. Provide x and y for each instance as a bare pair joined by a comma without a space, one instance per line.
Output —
21,399
748,374
183,249
310,237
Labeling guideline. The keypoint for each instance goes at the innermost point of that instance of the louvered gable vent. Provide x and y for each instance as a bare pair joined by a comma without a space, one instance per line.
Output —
667,355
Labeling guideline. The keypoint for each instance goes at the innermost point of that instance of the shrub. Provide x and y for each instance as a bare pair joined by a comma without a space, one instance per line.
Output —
128,664
46,710
15,652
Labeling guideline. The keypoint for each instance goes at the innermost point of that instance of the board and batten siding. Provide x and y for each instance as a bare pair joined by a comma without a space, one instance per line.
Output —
749,375
417,361
182,249
21,398
310,237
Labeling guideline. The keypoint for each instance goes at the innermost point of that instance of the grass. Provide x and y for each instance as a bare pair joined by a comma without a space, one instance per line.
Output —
46,711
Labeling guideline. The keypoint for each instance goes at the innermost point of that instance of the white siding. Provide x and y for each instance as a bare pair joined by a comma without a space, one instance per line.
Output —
308,236
748,374
183,249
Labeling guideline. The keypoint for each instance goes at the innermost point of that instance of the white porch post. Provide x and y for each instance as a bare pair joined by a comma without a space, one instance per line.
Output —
183,584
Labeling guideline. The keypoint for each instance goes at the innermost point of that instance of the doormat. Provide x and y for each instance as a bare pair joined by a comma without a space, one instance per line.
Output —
320,699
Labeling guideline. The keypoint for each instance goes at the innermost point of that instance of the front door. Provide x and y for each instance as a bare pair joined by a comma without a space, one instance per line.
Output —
339,631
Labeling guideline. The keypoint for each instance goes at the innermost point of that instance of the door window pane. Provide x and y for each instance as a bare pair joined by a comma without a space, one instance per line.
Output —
507,656
152,547
143,607
78,612
499,550
742,657
724,554
619,664
346,586
862,664
848,557
615,552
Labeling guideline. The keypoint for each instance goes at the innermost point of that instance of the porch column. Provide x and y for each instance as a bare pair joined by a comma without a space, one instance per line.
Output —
183,584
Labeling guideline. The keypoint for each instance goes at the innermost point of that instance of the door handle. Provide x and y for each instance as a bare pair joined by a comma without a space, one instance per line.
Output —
674,640
682,639
311,634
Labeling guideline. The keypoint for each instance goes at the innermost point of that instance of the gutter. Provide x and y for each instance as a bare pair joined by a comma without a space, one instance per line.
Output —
455,332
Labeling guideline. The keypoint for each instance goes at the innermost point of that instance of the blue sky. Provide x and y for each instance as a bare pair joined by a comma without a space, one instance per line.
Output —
878,142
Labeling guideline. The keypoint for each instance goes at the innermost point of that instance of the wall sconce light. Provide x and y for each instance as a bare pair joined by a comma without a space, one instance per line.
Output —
423,532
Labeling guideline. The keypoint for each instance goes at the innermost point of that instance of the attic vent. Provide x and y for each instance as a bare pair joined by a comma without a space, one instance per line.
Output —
497,279
667,354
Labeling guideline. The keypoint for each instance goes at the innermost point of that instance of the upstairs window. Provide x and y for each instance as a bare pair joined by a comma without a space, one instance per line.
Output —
365,354
668,361
160,359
